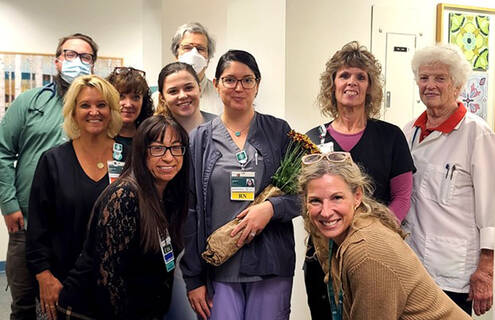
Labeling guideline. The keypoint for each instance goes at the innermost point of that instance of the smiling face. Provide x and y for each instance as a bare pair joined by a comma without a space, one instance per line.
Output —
351,86
436,87
330,205
238,98
164,168
130,107
181,94
92,112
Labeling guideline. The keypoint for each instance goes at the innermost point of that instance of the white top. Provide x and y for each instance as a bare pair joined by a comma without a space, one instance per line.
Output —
452,204
209,100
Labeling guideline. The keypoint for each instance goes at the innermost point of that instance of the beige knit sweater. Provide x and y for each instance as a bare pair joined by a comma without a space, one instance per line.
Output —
382,278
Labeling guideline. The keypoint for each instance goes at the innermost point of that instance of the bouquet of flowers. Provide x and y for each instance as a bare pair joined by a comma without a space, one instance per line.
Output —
220,245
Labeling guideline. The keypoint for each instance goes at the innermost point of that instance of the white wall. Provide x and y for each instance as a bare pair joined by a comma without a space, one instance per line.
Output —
290,39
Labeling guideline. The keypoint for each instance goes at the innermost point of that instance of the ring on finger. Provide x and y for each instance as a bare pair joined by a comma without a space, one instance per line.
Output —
252,234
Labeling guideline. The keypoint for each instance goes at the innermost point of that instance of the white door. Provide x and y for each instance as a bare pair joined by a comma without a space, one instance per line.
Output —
399,89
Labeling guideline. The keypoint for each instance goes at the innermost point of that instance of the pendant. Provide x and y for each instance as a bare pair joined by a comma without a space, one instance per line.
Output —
237,133
100,165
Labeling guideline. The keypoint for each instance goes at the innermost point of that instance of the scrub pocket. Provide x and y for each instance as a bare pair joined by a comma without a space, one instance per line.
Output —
445,256
437,184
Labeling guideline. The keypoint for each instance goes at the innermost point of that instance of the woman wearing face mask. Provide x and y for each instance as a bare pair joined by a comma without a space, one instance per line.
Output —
193,45
135,100
351,93
179,90
66,183
371,271
256,282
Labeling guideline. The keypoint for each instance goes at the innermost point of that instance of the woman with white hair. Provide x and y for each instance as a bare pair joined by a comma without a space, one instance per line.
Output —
193,45
451,220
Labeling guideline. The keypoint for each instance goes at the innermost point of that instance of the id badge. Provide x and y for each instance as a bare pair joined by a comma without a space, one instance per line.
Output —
242,185
114,169
167,252
326,147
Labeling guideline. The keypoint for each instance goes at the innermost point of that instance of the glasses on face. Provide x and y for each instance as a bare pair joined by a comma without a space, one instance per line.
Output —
246,83
86,58
121,70
188,47
337,156
160,150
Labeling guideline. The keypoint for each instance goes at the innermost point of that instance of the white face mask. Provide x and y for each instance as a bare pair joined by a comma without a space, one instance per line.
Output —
197,61
73,69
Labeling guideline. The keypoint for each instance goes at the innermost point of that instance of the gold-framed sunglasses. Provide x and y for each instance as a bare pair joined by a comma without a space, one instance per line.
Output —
336,156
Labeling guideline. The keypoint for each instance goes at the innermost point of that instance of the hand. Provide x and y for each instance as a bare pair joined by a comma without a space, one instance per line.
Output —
14,221
200,302
481,284
254,220
50,288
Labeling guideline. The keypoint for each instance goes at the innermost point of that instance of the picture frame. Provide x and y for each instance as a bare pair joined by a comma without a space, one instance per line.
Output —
21,71
468,27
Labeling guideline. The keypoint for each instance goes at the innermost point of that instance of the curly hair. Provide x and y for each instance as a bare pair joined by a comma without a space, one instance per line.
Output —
356,180
132,81
447,54
356,56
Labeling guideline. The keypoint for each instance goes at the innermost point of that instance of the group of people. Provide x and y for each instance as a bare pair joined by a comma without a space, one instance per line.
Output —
121,202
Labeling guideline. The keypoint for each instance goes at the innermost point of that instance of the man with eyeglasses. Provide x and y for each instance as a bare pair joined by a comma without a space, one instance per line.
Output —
193,45
32,125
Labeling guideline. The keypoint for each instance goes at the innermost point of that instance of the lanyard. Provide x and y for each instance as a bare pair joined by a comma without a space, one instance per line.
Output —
414,136
336,309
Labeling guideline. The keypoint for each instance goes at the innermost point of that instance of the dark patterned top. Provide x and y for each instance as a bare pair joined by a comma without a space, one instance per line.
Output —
128,283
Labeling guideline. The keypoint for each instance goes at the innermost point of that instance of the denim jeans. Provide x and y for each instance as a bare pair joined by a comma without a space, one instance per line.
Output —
22,284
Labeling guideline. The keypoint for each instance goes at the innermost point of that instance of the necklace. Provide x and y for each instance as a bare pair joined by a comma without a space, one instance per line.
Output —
100,165
236,133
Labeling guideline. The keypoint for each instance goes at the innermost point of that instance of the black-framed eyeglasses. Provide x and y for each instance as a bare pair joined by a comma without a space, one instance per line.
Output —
336,157
189,47
121,70
246,83
86,58
160,150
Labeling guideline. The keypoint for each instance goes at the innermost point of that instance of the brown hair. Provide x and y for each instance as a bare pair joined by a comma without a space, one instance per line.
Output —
351,55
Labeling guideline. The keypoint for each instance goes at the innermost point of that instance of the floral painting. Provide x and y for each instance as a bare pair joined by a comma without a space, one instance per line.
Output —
474,95
470,33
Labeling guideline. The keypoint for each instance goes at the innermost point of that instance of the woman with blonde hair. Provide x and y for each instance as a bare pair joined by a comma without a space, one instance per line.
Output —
371,272
67,181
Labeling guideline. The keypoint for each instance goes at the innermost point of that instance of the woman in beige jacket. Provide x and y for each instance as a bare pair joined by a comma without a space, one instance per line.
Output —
371,272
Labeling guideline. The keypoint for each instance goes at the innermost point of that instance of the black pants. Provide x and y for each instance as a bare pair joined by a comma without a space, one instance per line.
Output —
316,288
461,300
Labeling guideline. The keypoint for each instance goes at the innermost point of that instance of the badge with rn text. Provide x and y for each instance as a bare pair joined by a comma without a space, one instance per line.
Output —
242,186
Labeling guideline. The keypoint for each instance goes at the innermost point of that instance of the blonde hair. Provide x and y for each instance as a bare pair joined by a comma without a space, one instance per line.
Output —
351,55
108,92
356,180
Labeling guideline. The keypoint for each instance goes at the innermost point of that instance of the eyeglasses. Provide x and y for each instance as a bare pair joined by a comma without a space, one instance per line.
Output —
246,83
86,58
122,70
188,47
160,150
335,157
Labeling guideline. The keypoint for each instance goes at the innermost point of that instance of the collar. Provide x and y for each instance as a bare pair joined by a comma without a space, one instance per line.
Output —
203,84
446,127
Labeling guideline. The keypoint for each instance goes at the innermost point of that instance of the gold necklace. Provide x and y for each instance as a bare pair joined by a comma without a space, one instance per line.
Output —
100,165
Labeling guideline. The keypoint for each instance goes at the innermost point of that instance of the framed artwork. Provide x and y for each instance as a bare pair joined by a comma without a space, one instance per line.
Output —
23,71
472,30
